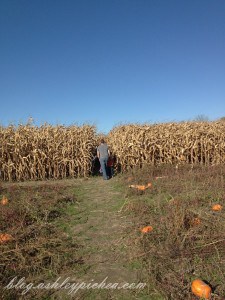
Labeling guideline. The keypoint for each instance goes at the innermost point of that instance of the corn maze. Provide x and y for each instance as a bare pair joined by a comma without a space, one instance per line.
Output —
29,152
171,143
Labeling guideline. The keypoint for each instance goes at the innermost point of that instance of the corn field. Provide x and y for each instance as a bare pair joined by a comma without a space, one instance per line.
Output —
169,143
29,152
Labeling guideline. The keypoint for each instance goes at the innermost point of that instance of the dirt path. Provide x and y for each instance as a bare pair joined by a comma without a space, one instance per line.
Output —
103,230
105,236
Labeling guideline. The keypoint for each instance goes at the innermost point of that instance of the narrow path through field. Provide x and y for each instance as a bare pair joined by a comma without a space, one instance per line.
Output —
104,232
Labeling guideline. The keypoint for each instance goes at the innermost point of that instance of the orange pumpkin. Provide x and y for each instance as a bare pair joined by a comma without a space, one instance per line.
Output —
201,289
4,200
5,237
146,229
217,207
139,187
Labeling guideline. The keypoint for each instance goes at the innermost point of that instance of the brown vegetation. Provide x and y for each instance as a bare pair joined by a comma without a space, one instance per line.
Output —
171,143
188,240
33,246
29,152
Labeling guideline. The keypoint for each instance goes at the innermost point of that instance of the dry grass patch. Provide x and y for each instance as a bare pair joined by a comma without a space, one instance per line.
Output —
39,250
188,237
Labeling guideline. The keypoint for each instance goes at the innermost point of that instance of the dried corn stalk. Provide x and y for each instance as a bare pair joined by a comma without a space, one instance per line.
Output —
173,143
29,152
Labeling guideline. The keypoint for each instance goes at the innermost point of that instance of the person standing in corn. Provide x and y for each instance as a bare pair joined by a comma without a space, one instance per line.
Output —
103,155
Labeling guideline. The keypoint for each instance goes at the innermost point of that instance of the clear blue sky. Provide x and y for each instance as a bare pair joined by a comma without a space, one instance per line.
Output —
107,62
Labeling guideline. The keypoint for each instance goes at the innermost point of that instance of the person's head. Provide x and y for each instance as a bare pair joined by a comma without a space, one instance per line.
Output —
102,141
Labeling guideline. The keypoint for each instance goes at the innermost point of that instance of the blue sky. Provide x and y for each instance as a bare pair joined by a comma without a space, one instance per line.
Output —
107,62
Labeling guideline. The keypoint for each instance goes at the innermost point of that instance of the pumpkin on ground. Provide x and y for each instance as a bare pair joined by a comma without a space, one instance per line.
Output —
141,187
4,200
201,289
217,207
5,237
138,187
146,229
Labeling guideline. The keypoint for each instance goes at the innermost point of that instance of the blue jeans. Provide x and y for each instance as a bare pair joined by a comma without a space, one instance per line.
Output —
103,163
